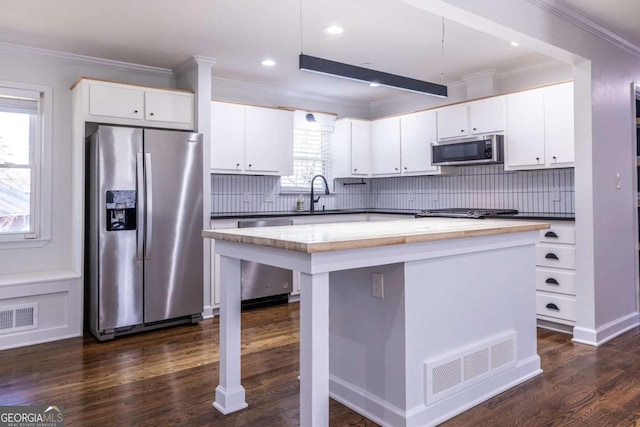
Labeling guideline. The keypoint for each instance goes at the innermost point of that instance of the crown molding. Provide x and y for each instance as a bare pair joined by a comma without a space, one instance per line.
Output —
192,62
574,17
532,68
237,85
405,97
480,75
34,52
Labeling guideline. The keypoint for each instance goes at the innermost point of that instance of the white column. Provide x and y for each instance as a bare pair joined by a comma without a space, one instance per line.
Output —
314,350
230,393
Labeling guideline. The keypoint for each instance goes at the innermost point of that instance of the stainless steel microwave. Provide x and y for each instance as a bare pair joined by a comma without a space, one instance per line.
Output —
468,151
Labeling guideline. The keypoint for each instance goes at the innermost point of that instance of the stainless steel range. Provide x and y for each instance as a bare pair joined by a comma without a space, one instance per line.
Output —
466,213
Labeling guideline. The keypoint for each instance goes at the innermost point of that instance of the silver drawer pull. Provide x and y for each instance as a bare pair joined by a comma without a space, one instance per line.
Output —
552,306
552,281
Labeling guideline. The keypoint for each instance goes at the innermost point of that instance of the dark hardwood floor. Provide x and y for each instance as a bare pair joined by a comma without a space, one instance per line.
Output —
168,377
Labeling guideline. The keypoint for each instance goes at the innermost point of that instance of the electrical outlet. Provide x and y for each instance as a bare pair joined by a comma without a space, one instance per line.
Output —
377,285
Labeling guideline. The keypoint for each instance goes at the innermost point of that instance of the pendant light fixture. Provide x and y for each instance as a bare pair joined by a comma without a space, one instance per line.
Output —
375,78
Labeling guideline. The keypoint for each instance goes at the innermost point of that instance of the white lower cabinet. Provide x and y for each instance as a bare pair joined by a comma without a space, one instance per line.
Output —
556,274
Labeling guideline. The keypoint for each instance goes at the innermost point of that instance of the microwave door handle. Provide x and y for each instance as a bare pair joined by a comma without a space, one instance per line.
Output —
149,206
140,206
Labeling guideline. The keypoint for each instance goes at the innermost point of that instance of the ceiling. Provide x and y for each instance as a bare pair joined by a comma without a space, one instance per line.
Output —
386,35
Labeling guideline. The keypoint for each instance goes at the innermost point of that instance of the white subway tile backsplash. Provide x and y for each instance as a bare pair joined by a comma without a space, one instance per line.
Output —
472,187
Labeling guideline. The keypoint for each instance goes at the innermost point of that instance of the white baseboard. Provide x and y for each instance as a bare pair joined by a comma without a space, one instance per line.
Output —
59,299
365,403
606,332
207,313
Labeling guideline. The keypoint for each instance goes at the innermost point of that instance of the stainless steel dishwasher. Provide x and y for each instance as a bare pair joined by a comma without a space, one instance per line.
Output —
264,284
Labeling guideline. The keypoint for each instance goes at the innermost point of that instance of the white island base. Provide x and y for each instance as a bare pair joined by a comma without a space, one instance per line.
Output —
456,325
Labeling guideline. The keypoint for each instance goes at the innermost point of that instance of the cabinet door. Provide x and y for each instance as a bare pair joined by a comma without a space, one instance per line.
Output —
227,137
263,140
341,149
417,132
173,107
487,115
360,148
558,125
385,146
453,121
116,101
524,139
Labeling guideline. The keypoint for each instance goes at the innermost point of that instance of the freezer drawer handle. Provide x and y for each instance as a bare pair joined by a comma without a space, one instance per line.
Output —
552,281
552,306
551,256
140,201
149,202
551,234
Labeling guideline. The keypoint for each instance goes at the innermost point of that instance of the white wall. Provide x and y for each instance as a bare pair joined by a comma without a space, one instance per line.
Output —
50,273
59,74
606,243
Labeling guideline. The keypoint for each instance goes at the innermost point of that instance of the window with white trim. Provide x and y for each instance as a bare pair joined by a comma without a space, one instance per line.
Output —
24,161
311,151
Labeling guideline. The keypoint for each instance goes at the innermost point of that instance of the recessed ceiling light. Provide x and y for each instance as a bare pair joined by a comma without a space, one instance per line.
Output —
333,29
514,44
268,62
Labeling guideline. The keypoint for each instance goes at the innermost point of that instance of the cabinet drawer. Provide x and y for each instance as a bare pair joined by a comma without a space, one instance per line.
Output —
556,280
558,234
557,256
557,306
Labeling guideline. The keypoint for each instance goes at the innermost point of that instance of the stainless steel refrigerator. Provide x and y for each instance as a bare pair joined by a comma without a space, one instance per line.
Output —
144,222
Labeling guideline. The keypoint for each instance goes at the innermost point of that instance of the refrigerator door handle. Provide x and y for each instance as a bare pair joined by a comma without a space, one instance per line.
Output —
149,205
140,211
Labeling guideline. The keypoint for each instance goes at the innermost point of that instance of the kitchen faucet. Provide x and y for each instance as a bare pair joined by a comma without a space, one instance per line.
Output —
313,199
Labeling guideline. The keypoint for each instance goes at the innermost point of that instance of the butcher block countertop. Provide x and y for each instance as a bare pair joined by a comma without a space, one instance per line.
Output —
314,238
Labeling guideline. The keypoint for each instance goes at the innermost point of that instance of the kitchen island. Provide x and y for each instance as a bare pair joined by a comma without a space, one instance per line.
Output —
453,323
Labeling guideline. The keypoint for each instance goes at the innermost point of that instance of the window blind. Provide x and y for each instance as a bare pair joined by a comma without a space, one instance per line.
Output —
311,156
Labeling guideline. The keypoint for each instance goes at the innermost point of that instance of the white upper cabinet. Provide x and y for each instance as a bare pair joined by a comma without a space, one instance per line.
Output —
417,132
350,148
487,115
227,137
540,128
471,118
251,140
269,141
168,107
124,104
559,125
453,122
524,139
385,146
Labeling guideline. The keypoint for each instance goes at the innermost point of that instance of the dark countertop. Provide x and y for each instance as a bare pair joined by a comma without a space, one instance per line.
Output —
543,216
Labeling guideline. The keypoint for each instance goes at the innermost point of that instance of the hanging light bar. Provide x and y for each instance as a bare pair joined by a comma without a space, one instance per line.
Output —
351,72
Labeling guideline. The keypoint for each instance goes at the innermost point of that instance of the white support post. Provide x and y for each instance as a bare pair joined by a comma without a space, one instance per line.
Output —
314,350
230,395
